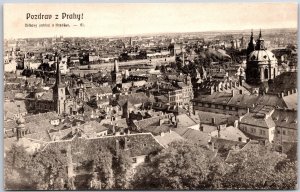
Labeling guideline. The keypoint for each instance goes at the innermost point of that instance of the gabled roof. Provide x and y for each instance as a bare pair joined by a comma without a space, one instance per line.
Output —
253,119
193,135
168,137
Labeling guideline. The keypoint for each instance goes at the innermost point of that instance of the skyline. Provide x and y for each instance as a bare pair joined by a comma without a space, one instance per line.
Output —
138,19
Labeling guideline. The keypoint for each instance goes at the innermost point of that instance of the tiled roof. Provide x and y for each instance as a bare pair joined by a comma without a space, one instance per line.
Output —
40,136
256,148
285,118
135,98
92,127
252,119
193,135
12,107
137,144
144,123
241,100
168,137
158,129
48,95
98,90
291,101
230,133
185,121
284,82
206,118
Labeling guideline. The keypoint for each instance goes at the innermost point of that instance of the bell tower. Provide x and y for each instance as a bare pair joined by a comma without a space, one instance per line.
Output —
115,74
59,91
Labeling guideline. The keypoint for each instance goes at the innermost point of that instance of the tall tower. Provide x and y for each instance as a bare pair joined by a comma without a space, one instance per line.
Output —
59,91
115,74
251,45
260,45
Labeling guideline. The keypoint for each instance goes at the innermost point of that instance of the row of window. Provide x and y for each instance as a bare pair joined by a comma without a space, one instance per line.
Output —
217,106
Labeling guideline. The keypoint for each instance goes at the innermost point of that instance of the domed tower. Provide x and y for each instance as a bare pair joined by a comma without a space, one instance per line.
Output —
261,64
20,127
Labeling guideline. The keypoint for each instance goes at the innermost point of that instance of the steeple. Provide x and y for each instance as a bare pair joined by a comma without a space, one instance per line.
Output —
58,74
259,34
251,44
260,44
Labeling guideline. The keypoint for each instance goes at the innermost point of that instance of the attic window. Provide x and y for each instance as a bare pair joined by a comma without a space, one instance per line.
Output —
265,56
276,118
253,57
285,119
145,144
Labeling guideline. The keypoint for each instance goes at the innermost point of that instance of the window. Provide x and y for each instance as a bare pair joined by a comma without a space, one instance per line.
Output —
283,132
134,160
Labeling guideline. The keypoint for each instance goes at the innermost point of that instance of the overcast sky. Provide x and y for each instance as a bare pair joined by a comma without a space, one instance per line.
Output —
128,19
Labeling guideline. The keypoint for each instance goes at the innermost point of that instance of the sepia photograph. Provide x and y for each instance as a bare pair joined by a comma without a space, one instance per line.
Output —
150,96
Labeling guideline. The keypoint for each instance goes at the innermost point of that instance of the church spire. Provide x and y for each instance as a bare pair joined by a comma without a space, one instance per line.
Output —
259,33
260,45
58,74
251,44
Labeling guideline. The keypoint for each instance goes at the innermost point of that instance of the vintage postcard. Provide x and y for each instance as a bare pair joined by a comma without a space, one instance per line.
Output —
157,96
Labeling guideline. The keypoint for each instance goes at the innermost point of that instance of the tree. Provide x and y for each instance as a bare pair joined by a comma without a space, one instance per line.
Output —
102,162
48,169
15,162
253,169
122,166
182,165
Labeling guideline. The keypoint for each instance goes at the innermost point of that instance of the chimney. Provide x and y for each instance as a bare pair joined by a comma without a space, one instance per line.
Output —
201,128
161,121
219,128
241,92
234,84
282,94
232,92
211,90
125,143
230,84
117,146
248,110
213,120
162,134
211,145
288,92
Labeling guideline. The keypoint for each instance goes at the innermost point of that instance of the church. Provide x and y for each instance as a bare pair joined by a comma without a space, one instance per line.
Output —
261,63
